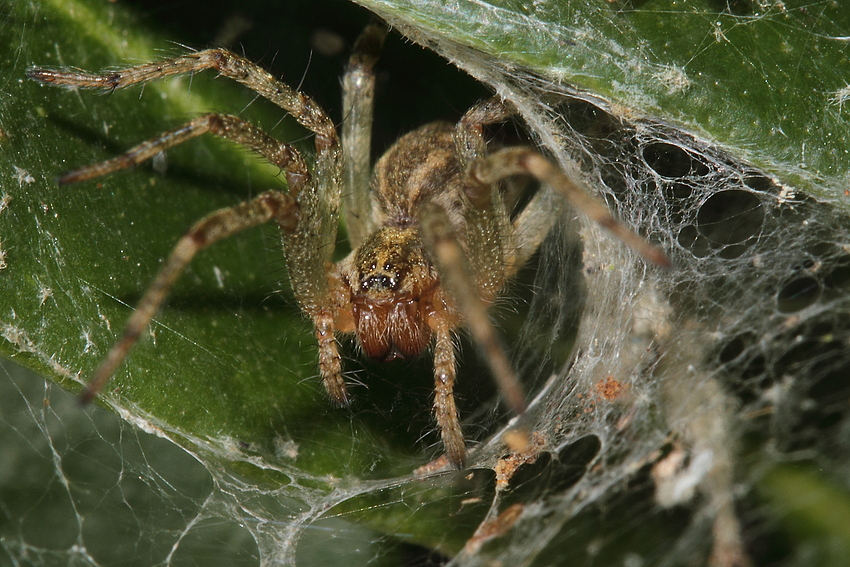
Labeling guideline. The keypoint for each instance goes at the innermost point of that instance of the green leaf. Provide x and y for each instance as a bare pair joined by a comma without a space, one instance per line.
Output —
769,80
812,508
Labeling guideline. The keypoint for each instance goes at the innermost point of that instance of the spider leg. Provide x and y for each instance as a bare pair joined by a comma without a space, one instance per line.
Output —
330,361
445,409
272,205
476,275
456,275
358,101
488,231
536,218
515,161
469,133
230,65
531,226
229,127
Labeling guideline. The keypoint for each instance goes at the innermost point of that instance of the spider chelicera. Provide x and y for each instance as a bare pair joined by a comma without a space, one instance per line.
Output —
433,241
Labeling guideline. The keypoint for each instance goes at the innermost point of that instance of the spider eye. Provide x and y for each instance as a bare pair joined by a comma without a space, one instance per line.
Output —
379,282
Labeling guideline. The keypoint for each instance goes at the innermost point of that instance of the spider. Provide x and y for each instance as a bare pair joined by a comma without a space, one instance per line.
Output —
433,241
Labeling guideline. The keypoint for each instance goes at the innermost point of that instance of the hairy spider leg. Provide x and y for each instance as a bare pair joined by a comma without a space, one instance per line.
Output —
445,408
473,277
459,279
536,219
519,160
358,102
272,205
306,111
489,238
228,127
309,244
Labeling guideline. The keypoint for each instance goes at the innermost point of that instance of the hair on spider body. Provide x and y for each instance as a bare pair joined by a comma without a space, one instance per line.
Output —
433,243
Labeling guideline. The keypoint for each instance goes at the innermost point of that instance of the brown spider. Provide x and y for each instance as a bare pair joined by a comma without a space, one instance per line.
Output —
433,242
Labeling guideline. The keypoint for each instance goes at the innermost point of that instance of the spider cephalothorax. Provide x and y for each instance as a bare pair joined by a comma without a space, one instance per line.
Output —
433,243
395,288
